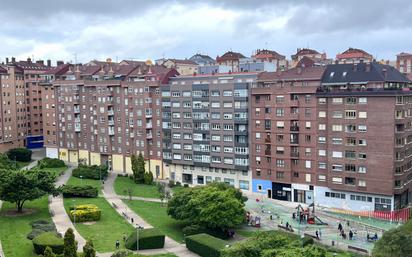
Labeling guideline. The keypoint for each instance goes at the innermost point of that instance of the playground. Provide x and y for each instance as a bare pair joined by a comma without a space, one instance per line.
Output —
268,214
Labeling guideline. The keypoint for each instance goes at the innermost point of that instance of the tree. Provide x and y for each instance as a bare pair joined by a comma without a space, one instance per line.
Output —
21,186
48,252
211,206
88,249
394,243
70,244
148,178
138,168
6,163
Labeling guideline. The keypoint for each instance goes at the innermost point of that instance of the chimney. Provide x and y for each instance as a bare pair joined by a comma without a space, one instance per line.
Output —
49,63
7,60
28,60
13,59
60,63
41,62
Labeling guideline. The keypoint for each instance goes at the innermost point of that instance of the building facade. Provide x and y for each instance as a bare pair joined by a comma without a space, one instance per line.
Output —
404,64
314,136
354,55
105,114
13,121
205,128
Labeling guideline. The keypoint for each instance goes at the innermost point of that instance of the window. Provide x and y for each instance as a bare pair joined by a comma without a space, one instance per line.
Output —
322,165
362,128
350,114
308,164
337,114
257,135
280,112
363,100
337,167
363,115
321,140
350,154
321,178
336,127
337,154
322,152
308,125
280,99
362,169
351,141
337,180
350,167
215,104
227,93
362,155
362,142
322,114
322,100
227,104
280,174
280,124
280,163
322,127
337,100
350,100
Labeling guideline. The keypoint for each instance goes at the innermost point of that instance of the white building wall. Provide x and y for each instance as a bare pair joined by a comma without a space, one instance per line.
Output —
52,152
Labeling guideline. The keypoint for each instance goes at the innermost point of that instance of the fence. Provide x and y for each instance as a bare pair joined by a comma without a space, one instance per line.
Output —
401,215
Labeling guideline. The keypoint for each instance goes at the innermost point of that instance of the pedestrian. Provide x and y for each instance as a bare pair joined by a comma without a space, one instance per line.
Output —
271,218
117,244
350,234
317,234
340,227
132,221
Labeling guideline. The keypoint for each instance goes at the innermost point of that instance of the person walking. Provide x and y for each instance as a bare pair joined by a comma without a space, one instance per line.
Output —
340,227
350,234
117,244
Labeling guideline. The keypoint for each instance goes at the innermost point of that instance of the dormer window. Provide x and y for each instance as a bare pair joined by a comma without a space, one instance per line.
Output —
344,74
331,74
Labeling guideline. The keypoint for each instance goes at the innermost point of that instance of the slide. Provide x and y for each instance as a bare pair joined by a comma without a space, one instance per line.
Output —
320,222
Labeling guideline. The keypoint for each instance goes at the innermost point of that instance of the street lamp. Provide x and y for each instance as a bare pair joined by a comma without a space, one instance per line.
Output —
137,236
81,180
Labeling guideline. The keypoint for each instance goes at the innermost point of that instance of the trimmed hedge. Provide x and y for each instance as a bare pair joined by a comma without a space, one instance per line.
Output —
19,154
85,213
39,227
150,238
193,230
307,241
51,163
90,172
80,191
205,245
48,239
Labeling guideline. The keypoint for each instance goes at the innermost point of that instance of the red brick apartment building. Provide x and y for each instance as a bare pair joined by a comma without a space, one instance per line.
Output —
105,112
338,136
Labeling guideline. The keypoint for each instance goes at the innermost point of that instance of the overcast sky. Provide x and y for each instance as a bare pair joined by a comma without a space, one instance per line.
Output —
150,29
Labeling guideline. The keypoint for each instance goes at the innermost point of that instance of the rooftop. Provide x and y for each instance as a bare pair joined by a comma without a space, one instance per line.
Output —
297,73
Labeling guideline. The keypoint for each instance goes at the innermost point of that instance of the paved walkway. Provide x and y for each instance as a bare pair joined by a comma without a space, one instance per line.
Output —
156,200
1,248
60,218
170,245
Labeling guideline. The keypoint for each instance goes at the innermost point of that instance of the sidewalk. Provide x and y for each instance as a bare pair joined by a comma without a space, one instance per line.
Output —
60,218
125,197
170,245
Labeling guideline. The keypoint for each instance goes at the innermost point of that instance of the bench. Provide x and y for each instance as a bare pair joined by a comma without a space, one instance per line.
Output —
357,249
114,205
285,228
312,236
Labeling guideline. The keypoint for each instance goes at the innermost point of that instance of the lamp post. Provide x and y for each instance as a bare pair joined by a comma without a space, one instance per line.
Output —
137,236
81,180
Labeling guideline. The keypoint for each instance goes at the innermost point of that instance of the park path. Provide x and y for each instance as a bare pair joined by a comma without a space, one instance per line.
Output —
60,218
1,248
125,197
116,201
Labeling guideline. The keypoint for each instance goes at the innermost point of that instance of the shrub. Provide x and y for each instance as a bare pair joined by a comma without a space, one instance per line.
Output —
48,239
205,245
39,227
148,178
122,253
307,241
80,191
19,154
90,172
193,230
85,213
148,239
51,163
171,183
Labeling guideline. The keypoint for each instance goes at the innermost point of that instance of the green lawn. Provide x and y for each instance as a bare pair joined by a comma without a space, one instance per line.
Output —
154,214
13,230
22,164
91,182
177,189
107,230
122,184
56,171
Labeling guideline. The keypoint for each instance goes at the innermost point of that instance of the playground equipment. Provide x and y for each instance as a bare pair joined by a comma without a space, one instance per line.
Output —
308,216
254,221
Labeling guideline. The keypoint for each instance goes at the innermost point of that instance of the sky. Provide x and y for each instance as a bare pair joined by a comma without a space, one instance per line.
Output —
81,30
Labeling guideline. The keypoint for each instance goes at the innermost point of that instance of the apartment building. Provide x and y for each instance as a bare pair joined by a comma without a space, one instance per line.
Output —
106,113
13,118
283,133
205,128
231,60
404,64
338,137
184,67
309,53
354,55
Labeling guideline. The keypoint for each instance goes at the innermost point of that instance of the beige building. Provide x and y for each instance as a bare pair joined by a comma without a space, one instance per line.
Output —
184,67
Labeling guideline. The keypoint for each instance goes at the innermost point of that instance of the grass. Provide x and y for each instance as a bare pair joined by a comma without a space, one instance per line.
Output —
20,165
107,230
155,214
13,230
73,181
122,184
177,189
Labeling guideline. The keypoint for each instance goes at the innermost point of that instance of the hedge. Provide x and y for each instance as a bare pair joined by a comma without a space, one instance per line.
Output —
193,230
80,191
19,154
90,172
85,213
49,239
205,245
39,227
51,163
150,238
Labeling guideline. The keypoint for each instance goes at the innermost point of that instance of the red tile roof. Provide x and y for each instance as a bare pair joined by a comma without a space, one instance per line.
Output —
268,54
354,53
298,73
229,56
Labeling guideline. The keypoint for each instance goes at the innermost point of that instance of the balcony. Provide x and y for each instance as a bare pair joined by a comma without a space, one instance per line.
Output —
294,128
148,115
110,112
294,154
111,131
268,152
110,122
267,140
77,120
294,141
77,127
149,136
149,125
76,109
